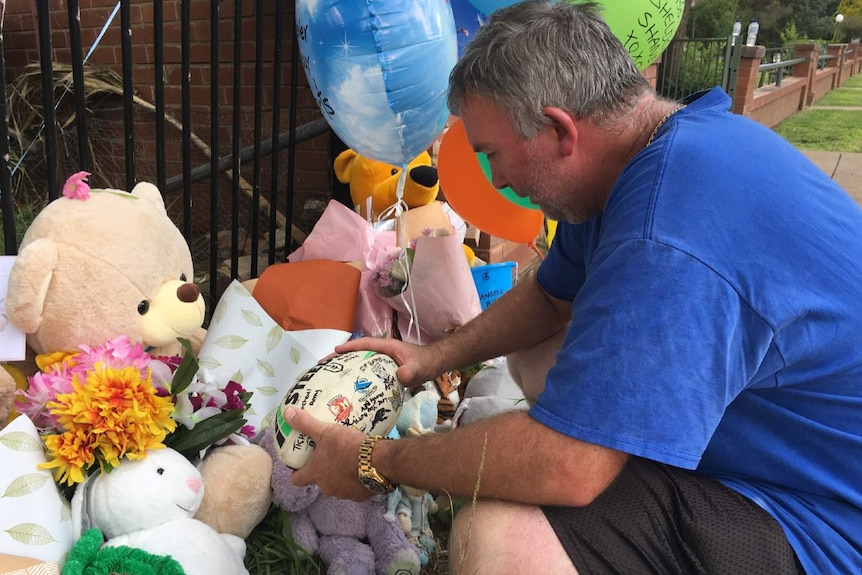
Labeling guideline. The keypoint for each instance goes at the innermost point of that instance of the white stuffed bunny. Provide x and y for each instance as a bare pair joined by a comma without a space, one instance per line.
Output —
149,504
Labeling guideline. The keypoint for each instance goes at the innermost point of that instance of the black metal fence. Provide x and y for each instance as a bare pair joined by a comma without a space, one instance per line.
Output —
691,65
267,199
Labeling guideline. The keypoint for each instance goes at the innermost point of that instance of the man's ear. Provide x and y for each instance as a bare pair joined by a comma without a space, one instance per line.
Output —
565,131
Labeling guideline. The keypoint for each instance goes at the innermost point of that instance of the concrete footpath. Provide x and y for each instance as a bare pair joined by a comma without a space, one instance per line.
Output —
843,167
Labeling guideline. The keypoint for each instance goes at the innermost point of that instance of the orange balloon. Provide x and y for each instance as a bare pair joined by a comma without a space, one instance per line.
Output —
473,197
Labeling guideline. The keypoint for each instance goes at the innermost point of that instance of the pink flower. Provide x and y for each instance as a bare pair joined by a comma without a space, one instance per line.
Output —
232,392
117,352
42,388
76,187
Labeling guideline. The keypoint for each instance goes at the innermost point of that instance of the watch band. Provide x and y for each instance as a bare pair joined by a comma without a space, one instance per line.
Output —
370,478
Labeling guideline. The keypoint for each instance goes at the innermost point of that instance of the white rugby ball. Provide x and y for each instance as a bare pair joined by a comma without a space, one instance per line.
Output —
357,388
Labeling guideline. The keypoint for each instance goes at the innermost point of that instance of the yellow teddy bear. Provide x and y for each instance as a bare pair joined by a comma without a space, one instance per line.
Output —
374,183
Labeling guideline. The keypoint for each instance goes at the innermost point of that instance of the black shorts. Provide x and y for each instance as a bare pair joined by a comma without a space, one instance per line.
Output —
660,520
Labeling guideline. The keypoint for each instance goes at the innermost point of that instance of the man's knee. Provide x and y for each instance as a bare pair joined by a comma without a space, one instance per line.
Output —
501,537
529,367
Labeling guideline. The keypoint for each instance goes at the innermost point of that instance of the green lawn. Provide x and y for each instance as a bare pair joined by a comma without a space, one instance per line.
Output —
854,82
842,97
824,130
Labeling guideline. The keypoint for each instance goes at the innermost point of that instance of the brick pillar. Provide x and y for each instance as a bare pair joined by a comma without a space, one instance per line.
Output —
837,61
651,74
746,82
806,70
856,58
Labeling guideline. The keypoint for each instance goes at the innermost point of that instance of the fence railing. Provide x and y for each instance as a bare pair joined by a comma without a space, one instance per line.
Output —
777,63
755,77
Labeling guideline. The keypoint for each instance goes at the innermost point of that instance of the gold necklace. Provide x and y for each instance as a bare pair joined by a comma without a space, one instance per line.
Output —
662,121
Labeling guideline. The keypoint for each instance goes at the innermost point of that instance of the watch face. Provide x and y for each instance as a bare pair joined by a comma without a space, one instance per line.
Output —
372,485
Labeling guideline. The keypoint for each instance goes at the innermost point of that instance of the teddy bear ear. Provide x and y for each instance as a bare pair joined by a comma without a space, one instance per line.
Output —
29,280
149,192
342,164
81,520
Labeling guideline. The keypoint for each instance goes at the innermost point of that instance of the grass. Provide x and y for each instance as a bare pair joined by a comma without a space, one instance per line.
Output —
854,82
841,97
819,130
824,130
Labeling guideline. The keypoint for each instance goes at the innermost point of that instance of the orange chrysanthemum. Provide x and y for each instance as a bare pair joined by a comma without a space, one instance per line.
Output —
115,413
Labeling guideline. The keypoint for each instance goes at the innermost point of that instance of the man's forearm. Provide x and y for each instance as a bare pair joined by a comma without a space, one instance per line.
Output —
510,456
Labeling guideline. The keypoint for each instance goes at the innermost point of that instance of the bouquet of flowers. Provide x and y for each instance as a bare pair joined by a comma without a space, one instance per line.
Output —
95,406
428,284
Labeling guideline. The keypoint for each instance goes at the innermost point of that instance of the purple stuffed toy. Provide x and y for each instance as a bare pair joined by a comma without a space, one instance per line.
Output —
335,530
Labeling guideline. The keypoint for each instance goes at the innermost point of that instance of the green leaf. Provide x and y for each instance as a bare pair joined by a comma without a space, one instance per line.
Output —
30,534
252,318
237,377
295,355
231,341
186,371
20,441
190,442
273,338
25,484
267,390
265,368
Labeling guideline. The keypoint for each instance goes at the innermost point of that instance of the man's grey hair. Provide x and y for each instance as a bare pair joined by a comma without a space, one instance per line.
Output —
537,53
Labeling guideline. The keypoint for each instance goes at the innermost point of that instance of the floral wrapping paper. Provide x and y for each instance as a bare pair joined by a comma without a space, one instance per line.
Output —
439,295
343,235
244,344
35,519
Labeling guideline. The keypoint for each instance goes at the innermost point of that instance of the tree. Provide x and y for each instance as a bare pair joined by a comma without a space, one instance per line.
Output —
713,18
849,8
851,27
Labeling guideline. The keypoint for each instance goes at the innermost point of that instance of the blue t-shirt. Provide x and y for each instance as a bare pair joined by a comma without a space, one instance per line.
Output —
717,325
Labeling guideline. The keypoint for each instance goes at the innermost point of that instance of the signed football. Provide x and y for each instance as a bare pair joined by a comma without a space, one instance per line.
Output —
357,388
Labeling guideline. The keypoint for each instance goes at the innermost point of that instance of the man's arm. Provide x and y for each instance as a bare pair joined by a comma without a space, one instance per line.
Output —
510,456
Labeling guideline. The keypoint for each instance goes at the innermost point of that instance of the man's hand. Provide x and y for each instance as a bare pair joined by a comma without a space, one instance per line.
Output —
335,462
416,364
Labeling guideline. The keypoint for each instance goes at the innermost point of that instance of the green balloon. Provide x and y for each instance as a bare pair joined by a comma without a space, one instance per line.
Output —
645,27
505,192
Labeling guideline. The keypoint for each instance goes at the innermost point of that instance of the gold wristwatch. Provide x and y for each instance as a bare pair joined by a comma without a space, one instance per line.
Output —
368,476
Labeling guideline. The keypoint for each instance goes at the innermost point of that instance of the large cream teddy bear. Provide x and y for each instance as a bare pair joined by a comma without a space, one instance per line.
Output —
101,263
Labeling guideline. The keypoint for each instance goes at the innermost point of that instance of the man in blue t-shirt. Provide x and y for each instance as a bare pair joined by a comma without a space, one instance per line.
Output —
690,345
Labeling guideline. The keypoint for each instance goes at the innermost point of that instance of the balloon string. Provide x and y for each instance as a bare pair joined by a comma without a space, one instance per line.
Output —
413,321
399,207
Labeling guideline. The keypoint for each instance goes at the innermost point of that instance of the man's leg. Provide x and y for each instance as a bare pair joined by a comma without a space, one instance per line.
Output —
529,367
499,538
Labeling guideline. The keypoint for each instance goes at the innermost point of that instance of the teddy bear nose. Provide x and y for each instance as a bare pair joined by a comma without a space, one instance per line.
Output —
424,175
188,292
194,484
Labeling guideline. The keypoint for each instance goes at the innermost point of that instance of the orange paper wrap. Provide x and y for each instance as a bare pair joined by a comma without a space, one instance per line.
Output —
309,294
